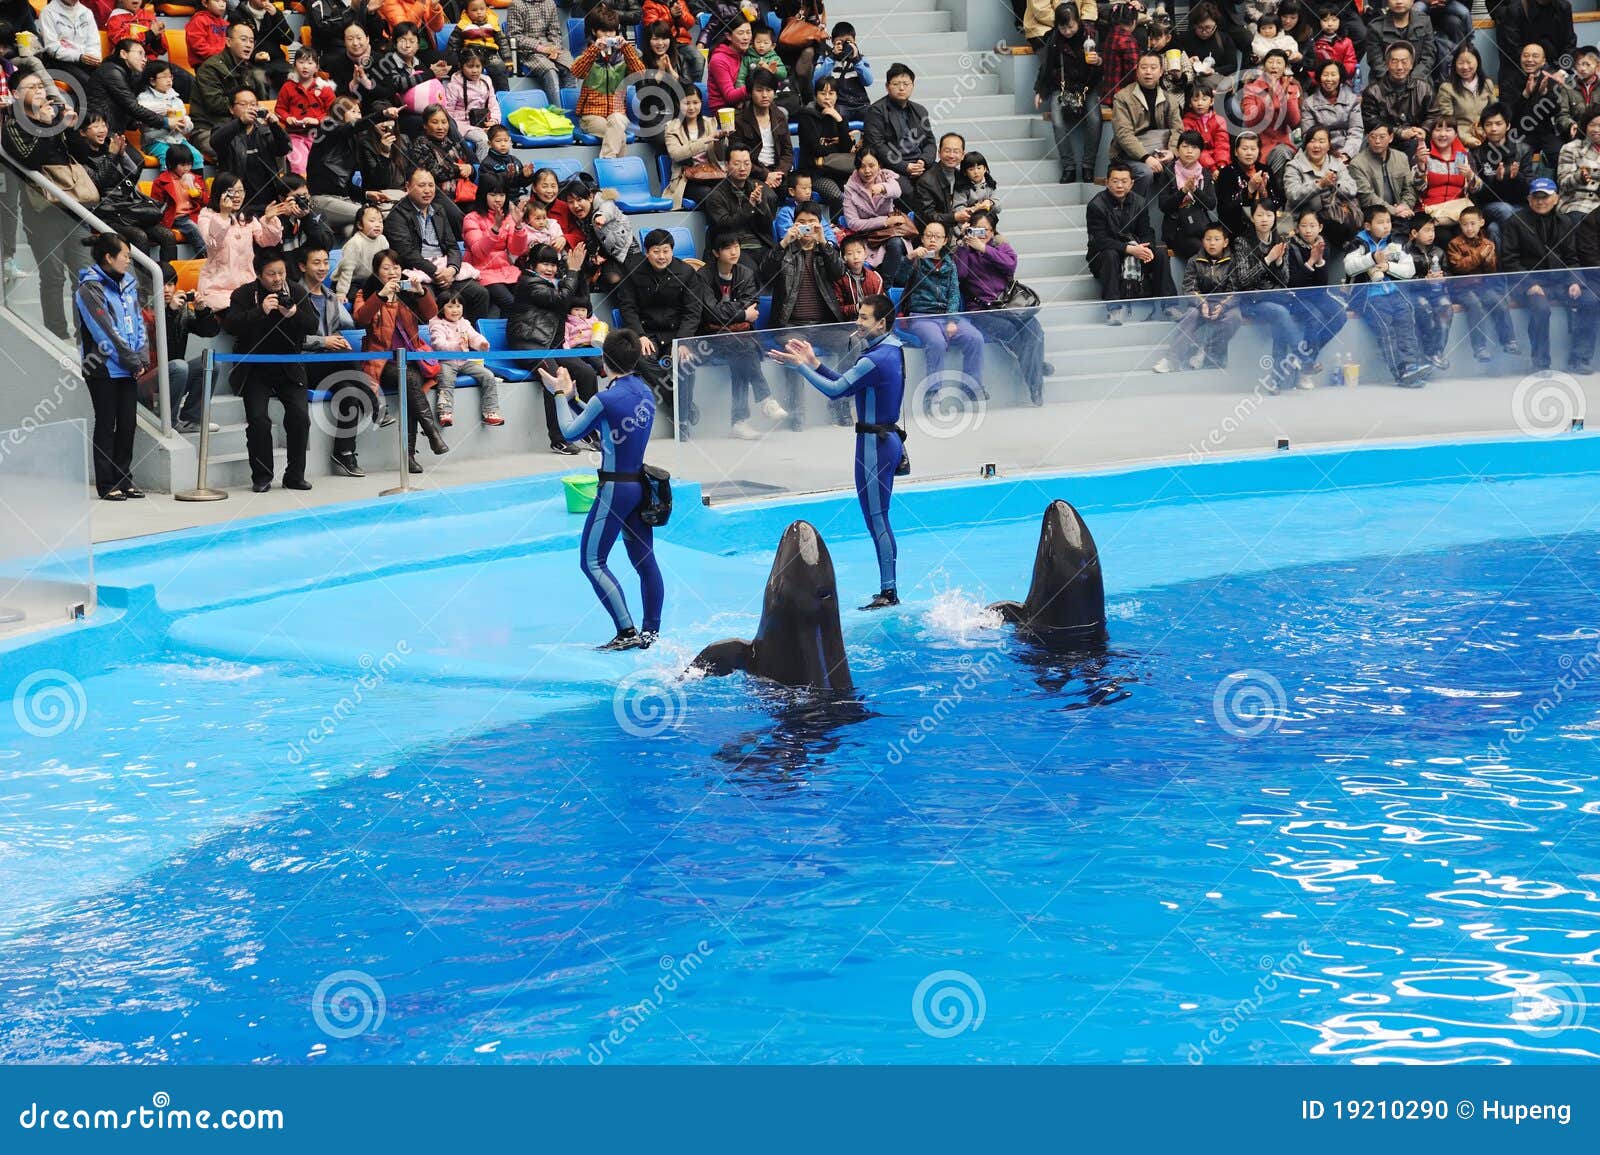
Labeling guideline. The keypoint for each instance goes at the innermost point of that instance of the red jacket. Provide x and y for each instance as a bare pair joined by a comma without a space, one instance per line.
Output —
299,102
1333,48
119,26
1218,149
844,291
676,13
165,193
206,35
1271,115
1443,178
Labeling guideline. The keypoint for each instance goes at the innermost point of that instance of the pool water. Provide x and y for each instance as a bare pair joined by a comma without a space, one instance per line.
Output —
1338,811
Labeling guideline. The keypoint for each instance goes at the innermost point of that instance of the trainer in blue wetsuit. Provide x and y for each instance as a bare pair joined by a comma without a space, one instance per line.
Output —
623,413
877,381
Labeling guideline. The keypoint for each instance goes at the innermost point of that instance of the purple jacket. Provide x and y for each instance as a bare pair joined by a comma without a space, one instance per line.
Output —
984,276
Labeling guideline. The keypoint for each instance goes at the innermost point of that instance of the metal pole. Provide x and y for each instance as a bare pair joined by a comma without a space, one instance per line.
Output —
201,491
405,444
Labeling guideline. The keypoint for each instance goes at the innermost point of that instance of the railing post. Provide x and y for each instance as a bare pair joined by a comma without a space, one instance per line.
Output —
405,446
201,491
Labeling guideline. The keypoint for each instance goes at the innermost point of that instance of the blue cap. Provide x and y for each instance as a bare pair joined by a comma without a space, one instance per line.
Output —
1543,184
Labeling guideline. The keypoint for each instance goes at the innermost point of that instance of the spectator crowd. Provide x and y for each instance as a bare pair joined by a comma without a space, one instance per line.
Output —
363,181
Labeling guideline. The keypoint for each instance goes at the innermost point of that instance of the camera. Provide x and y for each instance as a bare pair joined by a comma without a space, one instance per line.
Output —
302,201
979,232
803,230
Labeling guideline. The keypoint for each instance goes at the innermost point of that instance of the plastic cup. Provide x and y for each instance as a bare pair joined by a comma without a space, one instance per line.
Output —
598,331
1351,372
725,118
1174,60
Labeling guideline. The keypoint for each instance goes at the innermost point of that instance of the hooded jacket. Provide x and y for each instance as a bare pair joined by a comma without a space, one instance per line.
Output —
112,337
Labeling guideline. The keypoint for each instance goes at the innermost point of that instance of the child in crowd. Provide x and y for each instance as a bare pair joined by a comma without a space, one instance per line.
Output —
1318,311
1586,75
1270,35
860,280
355,260
479,29
1430,300
159,95
1201,339
799,186
763,54
843,61
181,194
975,188
516,175
451,332
304,101
1198,116
1177,73
605,229
1469,258
1331,43
1373,261
544,229
137,20
470,102
1119,55
206,34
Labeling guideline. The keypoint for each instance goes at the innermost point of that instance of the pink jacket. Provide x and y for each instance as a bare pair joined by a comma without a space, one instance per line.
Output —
230,254
723,89
493,251
460,94
455,336
864,212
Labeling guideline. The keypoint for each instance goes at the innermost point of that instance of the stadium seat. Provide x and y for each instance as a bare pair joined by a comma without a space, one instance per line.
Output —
627,175
184,10
564,167
442,37
333,263
569,105
188,273
575,40
494,328
664,171
177,48
764,310
775,24
527,98
682,242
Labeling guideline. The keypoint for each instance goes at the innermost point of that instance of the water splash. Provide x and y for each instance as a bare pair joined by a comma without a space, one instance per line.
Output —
954,616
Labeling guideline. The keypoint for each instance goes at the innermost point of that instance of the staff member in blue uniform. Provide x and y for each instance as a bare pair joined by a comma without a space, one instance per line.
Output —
877,380
622,413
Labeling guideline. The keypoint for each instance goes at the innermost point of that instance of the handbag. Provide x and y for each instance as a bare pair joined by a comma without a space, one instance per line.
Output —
655,510
1073,101
127,205
1016,295
71,178
801,33
1448,212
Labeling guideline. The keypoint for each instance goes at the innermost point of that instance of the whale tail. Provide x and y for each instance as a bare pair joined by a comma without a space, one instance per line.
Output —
722,658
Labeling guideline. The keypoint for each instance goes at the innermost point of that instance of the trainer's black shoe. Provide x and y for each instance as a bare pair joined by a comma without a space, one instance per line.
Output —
882,599
626,640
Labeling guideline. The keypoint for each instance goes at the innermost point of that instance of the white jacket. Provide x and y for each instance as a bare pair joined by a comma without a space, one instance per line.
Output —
67,31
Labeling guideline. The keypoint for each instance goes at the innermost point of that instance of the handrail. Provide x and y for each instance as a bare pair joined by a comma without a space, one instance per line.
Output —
157,296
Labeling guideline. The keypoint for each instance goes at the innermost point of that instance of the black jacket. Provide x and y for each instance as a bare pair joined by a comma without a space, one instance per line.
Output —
112,91
1520,21
931,197
747,132
1530,243
379,171
335,159
1063,66
716,311
900,136
1185,214
822,136
255,155
199,320
658,303
784,276
728,207
257,332
540,319
1113,225
328,20
403,229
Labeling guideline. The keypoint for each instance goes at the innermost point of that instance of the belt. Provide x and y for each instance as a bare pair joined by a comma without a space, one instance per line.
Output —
882,430
608,475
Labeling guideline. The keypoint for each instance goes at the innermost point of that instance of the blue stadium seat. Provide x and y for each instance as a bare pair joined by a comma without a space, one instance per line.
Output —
569,105
682,241
764,310
494,328
775,24
333,263
664,171
527,98
442,37
564,167
575,40
627,175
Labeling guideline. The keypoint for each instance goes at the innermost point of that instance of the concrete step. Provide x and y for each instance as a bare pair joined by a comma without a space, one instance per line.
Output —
878,32
1016,219
932,87
1054,262
885,47
1052,289
1023,152
1057,198
1065,238
966,107
1124,359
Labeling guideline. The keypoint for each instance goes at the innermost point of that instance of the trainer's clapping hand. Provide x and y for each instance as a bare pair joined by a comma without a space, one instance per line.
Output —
558,382
797,352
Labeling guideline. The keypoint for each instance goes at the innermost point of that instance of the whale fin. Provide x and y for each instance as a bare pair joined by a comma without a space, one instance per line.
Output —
1014,612
724,657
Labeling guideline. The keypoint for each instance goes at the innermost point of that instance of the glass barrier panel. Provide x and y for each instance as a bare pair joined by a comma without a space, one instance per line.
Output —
46,550
1070,386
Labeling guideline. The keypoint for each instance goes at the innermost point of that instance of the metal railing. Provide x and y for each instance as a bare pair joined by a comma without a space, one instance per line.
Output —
161,416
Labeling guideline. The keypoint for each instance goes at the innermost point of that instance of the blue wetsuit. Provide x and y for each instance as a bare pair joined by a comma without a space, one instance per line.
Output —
623,414
877,380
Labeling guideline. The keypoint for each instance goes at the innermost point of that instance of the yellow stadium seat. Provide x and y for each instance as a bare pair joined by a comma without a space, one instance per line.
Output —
177,48
177,9
188,273
105,45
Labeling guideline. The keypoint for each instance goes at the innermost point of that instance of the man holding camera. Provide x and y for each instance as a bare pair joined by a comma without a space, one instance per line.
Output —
271,315
803,270
253,145
1145,123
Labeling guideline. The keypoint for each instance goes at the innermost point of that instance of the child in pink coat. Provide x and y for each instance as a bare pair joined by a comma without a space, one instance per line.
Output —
451,332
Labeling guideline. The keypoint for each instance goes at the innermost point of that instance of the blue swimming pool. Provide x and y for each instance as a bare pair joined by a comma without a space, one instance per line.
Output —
1331,797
